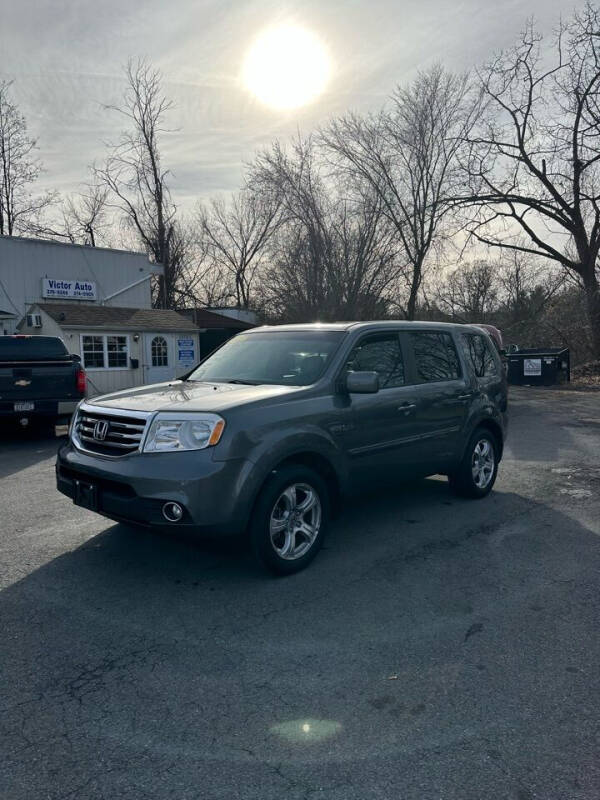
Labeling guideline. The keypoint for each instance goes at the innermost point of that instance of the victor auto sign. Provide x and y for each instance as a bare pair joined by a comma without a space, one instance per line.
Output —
68,290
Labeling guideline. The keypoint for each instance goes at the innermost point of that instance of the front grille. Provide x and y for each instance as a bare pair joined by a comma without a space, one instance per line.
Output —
122,435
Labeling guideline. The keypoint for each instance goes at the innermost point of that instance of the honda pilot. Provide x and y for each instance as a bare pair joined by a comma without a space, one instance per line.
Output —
271,431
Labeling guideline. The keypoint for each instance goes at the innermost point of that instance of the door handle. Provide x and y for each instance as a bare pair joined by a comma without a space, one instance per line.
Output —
407,407
465,396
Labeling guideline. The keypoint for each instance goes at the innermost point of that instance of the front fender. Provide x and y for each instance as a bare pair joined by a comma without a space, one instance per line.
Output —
273,450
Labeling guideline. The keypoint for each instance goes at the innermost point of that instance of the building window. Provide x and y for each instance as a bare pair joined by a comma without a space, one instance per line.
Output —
104,352
160,356
34,320
93,352
116,349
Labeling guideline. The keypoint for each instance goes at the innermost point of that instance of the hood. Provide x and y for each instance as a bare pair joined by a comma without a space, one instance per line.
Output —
189,396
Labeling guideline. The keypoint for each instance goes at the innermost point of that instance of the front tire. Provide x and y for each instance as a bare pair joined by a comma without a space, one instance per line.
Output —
478,469
290,518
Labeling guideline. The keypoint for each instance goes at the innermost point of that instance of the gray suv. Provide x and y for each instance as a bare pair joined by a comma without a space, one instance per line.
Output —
269,432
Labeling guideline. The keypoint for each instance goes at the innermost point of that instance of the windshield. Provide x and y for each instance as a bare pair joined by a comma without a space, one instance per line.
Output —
290,358
31,348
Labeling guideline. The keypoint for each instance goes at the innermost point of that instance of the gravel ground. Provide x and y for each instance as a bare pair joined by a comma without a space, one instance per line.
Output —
438,648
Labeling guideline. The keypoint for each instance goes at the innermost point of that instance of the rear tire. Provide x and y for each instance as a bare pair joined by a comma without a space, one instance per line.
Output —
478,469
290,518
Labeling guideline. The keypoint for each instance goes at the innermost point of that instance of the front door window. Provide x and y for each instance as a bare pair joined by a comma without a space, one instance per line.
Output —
379,353
159,352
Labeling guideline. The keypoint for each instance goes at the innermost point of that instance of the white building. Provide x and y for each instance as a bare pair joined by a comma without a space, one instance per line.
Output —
119,347
99,302
33,269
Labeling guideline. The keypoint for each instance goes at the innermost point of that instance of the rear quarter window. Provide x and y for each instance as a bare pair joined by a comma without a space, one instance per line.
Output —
435,356
481,356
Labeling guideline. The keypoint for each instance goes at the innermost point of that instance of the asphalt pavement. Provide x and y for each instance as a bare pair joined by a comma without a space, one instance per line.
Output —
437,649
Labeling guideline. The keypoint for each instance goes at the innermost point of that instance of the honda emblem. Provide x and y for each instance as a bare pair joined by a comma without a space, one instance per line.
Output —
100,430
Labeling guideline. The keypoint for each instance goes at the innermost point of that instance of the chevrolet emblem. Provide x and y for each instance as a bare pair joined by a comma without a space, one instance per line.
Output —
22,382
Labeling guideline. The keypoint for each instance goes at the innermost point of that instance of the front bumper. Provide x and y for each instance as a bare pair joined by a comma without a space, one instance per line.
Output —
135,488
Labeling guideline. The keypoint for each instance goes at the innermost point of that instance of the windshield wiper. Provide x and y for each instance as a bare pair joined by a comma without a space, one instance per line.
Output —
223,380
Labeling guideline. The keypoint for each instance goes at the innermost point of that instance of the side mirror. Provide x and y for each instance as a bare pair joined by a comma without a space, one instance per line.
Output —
76,358
362,382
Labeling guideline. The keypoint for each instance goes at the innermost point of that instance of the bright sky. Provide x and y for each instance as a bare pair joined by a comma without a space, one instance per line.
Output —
66,57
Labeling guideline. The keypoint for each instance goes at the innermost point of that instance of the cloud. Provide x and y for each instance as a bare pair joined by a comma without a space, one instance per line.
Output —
66,57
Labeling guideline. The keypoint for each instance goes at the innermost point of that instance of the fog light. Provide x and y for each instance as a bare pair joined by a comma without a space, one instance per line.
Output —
172,512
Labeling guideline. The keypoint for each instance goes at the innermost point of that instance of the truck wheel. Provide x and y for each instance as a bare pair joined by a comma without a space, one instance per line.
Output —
477,471
289,519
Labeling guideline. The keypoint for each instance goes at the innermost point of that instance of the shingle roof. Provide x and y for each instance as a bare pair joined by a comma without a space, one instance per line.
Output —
212,319
93,316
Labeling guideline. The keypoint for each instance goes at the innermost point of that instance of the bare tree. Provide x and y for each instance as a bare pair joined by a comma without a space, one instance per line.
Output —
293,179
198,280
406,154
207,284
236,236
331,257
470,293
19,169
136,179
534,162
179,273
525,287
85,215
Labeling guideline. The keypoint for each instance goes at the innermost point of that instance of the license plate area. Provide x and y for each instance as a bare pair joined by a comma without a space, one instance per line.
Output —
86,495
24,405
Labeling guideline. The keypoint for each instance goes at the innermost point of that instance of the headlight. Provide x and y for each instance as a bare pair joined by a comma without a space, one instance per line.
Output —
73,420
170,431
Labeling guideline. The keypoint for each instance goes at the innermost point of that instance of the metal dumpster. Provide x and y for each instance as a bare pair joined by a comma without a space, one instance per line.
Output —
539,366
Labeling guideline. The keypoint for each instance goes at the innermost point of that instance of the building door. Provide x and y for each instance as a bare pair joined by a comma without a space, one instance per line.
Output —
159,358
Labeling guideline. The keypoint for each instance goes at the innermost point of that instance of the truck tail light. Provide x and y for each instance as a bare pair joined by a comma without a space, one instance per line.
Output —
81,381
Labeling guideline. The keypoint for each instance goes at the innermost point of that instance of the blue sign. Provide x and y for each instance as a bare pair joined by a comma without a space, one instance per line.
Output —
185,343
186,357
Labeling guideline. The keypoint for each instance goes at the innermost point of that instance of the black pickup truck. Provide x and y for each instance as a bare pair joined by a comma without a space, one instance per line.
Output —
40,381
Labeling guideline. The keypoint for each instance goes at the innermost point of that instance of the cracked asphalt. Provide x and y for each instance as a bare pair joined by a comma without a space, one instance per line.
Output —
437,648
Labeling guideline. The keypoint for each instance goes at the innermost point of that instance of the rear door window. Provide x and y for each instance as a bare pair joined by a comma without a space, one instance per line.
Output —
435,355
382,354
481,356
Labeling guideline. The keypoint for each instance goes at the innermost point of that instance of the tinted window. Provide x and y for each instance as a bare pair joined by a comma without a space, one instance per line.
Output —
436,358
294,358
381,354
31,348
481,356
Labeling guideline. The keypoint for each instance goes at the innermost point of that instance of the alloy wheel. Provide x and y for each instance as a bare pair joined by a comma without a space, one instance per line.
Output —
295,521
482,464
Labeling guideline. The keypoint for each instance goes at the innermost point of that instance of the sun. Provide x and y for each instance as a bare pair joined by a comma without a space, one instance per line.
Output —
286,67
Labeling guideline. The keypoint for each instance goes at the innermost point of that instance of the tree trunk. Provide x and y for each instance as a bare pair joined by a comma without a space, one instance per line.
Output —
592,296
411,307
